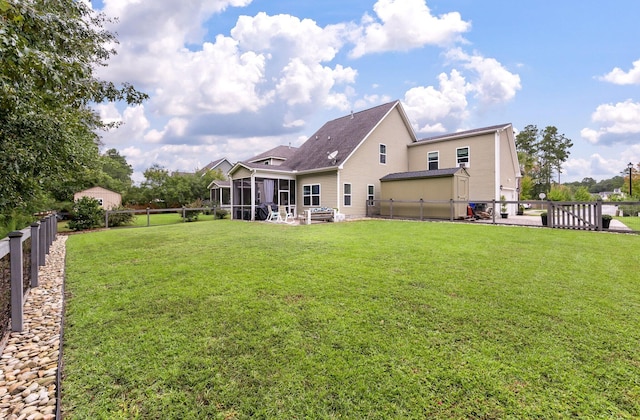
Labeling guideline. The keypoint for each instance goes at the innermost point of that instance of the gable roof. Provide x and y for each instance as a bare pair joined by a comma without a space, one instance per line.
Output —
461,134
342,136
214,164
434,173
278,152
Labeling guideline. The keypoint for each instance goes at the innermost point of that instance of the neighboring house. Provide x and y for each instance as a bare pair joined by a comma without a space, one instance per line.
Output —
108,199
341,165
223,165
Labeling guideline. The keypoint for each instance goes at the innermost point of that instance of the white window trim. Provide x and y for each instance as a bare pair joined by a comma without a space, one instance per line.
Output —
468,163
371,197
380,154
437,152
345,195
311,195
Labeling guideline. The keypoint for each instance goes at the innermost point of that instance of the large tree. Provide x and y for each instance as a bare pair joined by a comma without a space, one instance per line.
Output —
49,50
541,154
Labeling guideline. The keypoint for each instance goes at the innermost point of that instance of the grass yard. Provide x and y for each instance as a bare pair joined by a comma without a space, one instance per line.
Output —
370,319
632,222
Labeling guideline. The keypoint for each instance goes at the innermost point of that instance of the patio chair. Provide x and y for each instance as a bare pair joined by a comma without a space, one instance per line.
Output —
287,216
273,216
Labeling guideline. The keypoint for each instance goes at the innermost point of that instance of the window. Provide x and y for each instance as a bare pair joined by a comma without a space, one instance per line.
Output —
347,194
462,156
383,153
371,194
100,201
432,161
311,195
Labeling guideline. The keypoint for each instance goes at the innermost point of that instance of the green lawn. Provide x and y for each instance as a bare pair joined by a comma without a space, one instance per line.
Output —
632,222
370,319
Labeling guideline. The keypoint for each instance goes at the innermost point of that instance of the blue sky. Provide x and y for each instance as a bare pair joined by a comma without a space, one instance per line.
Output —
233,78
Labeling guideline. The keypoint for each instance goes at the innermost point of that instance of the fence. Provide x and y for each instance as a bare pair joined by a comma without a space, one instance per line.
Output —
22,253
559,215
184,212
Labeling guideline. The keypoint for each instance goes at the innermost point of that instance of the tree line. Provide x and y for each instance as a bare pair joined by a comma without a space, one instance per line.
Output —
541,153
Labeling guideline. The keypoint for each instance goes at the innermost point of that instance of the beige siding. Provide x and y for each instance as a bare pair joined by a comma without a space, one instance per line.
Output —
508,178
363,168
328,191
482,162
110,199
241,173
431,189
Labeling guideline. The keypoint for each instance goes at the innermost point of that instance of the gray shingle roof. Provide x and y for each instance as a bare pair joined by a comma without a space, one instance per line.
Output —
279,152
438,173
341,135
467,133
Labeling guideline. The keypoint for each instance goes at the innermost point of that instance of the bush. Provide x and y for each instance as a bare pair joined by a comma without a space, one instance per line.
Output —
120,219
86,214
221,213
629,210
192,215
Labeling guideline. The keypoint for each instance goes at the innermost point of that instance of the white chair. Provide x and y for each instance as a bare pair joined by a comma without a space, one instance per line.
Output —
287,216
274,216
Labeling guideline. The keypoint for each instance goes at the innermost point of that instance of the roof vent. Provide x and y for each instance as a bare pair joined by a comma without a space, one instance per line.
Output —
351,114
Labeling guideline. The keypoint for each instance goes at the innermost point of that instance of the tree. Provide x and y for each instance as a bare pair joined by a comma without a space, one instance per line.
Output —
542,153
116,167
49,50
553,151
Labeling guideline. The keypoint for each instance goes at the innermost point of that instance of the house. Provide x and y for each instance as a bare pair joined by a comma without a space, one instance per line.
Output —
223,165
489,155
108,199
343,165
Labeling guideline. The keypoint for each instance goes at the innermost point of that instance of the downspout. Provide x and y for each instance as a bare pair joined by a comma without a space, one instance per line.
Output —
338,189
253,195
498,164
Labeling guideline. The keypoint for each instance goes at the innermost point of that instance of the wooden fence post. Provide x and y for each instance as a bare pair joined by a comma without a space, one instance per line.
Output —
391,208
35,253
421,209
451,213
148,218
15,246
106,219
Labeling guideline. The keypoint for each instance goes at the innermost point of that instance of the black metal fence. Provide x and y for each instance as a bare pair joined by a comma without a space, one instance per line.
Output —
22,253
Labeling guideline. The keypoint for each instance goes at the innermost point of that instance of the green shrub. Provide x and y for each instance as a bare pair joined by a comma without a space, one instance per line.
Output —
221,213
120,219
629,210
192,215
86,214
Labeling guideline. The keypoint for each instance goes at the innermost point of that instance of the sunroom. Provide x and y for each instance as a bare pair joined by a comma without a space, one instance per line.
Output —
255,189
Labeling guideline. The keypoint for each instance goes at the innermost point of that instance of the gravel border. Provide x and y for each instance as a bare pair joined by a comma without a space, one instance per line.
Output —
30,360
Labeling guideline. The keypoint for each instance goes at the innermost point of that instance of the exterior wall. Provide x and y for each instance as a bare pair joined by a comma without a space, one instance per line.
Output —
508,173
429,189
241,173
224,167
363,168
482,161
328,189
110,199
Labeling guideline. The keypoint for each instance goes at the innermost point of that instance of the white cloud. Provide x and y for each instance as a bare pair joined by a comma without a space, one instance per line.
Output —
429,107
494,83
619,123
132,123
620,77
406,24
599,167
